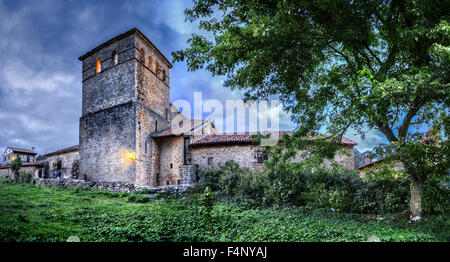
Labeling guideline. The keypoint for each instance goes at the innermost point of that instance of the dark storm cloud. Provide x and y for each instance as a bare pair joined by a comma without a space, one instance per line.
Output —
40,76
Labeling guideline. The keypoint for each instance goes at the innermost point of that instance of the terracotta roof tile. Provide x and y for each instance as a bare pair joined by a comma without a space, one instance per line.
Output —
22,150
235,138
181,130
62,151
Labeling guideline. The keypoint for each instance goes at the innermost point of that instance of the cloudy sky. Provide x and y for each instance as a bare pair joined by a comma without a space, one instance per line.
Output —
40,75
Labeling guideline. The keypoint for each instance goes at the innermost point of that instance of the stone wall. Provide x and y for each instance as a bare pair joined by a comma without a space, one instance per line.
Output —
148,123
104,186
246,156
108,144
115,84
171,159
67,162
7,172
243,154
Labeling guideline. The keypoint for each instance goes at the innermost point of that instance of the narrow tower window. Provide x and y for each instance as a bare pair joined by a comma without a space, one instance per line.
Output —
157,70
150,62
98,66
164,75
156,126
142,55
115,58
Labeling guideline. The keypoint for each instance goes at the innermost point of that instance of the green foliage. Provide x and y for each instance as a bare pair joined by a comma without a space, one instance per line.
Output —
27,213
436,198
382,191
26,177
206,202
16,163
139,198
337,65
76,169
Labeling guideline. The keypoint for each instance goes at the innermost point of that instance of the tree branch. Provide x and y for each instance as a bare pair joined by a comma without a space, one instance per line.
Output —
340,53
403,130
387,131
372,53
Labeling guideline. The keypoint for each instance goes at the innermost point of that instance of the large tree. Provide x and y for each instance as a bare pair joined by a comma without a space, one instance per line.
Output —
338,65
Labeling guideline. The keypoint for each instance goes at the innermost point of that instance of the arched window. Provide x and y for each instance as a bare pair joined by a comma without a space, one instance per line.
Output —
164,75
150,62
98,66
157,69
115,58
142,55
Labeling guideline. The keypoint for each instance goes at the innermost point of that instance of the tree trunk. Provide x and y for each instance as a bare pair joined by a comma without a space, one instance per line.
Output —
415,204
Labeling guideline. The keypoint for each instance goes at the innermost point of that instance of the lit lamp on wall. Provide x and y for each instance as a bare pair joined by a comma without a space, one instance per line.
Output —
131,157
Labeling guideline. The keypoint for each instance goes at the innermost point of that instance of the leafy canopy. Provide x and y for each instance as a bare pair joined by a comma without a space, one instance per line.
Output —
334,64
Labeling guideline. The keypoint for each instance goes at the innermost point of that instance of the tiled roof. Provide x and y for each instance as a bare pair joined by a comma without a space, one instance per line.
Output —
236,138
371,164
63,151
180,130
22,150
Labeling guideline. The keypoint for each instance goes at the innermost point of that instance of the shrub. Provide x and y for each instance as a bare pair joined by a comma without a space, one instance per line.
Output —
139,198
25,177
291,184
436,198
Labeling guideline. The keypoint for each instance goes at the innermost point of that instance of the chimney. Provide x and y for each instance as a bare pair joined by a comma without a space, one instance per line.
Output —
367,160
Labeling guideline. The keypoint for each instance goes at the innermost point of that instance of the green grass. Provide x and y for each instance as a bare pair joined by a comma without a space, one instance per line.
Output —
34,213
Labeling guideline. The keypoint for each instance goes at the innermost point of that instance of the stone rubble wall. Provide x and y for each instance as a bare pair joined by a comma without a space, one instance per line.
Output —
105,186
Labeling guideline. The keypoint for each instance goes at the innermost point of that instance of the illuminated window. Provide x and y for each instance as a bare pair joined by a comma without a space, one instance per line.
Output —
115,58
98,66
142,56
150,62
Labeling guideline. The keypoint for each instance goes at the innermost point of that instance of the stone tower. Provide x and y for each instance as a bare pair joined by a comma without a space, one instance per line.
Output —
126,96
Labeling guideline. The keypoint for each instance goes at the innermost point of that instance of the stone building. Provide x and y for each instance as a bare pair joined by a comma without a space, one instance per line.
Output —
25,155
130,132
377,164
66,161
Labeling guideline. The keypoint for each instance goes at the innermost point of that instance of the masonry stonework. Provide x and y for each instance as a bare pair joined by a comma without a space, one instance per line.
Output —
130,134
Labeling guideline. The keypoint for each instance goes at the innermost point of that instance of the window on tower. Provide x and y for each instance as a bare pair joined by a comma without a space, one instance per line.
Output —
98,66
150,62
157,69
115,58
142,55
164,75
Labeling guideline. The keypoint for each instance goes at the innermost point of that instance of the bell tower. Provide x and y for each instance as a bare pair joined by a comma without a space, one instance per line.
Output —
126,99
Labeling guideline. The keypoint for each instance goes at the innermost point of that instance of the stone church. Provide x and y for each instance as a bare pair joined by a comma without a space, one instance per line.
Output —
130,132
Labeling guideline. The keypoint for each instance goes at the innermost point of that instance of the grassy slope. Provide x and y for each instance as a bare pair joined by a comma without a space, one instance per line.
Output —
31,213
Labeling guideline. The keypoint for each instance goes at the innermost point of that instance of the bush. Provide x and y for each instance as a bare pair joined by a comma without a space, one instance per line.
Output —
290,184
436,198
139,198
26,177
